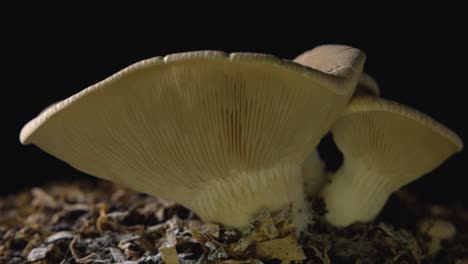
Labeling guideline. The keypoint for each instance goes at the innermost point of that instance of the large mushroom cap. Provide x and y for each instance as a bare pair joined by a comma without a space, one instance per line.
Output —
169,126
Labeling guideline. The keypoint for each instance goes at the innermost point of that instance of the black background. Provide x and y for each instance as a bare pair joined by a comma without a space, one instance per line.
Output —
417,54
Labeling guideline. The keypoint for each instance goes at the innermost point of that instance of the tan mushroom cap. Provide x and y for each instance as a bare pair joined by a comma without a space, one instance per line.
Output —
318,57
437,230
221,134
367,86
385,146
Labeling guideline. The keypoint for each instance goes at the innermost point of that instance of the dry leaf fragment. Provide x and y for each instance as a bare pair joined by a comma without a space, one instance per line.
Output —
34,242
168,249
43,199
117,255
117,216
198,236
130,249
91,258
27,232
217,251
70,212
59,236
39,253
109,222
158,228
238,261
201,231
285,249
125,239
245,242
212,229
283,223
73,249
266,227
118,195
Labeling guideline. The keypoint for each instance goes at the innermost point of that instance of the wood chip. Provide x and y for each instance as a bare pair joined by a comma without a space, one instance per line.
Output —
237,261
70,212
266,227
114,225
117,255
91,258
62,235
34,242
43,199
39,253
168,249
245,242
212,229
285,249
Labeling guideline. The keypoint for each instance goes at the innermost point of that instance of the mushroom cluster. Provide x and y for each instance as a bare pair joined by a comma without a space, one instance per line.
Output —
228,135
385,145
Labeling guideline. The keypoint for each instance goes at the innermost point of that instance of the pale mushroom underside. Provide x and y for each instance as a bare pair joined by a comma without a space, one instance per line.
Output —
369,104
174,126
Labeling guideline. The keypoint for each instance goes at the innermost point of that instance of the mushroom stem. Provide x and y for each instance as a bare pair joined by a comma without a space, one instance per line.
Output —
357,193
314,173
235,201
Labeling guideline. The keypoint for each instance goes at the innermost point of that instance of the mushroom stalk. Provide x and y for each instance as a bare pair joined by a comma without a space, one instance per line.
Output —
237,199
357,192
314,173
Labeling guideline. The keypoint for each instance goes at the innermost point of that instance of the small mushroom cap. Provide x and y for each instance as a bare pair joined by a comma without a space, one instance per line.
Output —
318,58
343,65
393,138
169,126
367,86
438,228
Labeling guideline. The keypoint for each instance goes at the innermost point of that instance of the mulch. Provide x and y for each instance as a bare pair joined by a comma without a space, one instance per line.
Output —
84,222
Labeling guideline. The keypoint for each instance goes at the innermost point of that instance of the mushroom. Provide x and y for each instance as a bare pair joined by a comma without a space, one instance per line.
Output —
313,167
385,146
314,173
437,230
367,86
223,135
318,58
